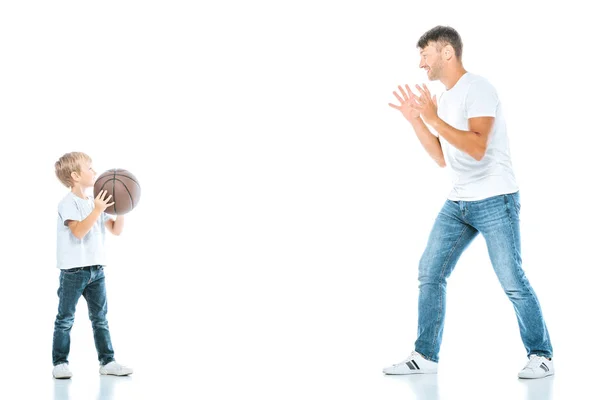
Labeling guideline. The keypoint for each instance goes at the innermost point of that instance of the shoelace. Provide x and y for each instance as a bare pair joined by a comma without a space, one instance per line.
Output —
412,356
534,362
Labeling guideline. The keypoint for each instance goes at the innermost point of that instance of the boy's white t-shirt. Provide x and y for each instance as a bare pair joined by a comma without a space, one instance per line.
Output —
473,96
70,251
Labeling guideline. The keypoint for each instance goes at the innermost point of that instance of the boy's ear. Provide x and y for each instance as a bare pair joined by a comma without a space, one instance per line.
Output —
74,175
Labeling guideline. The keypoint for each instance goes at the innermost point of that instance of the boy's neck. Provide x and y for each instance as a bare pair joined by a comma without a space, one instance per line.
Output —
79,191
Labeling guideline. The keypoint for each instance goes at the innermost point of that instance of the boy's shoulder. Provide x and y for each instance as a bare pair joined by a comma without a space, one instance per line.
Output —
67,198
71,199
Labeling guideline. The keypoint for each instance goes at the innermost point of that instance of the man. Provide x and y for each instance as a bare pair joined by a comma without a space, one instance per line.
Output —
469,136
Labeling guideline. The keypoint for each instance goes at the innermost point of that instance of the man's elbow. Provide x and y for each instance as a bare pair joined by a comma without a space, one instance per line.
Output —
478,153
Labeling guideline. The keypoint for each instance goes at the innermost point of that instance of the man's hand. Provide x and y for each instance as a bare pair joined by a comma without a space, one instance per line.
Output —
426,105
407,104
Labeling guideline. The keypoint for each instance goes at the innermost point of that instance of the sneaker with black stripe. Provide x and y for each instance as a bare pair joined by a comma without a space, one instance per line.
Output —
414,364
537,367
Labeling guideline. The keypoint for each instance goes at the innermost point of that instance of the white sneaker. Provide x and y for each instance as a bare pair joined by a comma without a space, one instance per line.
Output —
114,368
62,371
537,367
414,364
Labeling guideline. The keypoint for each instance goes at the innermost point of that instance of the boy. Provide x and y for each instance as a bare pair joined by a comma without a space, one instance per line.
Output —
81,230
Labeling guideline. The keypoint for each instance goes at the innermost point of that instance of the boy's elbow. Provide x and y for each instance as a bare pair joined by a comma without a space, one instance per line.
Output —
76,234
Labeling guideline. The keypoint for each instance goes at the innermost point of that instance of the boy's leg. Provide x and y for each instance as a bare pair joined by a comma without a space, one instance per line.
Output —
95,295
450,236
499,225
72,284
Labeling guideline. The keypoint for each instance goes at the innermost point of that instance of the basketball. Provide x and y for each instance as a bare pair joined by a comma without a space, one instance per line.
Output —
124,188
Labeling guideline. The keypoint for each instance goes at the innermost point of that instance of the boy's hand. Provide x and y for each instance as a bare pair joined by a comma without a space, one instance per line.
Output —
101,203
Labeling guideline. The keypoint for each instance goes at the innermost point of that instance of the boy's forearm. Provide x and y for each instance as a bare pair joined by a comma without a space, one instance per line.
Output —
429,141
81,228
118,225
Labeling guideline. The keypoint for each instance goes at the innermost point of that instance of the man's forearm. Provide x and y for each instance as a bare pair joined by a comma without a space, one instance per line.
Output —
465,141
429,141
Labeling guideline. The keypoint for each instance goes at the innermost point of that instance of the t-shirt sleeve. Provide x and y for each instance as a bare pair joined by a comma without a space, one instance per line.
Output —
482,100
105,217
67,210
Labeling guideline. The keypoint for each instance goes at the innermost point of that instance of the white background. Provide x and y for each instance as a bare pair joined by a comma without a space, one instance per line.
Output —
284,205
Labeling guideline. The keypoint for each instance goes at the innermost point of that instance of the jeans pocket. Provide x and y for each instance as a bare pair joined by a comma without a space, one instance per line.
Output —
516,201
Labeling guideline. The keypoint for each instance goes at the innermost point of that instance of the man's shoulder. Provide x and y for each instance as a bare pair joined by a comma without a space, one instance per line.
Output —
474,80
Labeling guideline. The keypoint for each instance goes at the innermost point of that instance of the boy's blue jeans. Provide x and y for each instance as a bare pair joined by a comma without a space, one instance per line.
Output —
457,224
89,282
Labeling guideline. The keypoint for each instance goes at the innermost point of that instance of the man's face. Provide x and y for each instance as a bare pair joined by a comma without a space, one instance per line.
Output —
431,61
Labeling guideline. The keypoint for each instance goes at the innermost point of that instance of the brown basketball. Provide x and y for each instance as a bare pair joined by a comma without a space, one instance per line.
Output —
124,188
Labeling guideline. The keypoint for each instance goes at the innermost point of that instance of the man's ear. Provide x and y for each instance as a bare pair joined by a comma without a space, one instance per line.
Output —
447,52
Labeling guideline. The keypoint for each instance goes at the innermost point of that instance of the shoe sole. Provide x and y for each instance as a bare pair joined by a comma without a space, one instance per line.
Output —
62,377
411,373
107,374
536,377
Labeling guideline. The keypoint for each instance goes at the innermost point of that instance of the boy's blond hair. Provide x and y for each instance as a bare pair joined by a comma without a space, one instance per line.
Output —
68,163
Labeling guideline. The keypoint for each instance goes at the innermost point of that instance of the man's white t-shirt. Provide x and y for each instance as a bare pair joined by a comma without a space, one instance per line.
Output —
70,251
473,96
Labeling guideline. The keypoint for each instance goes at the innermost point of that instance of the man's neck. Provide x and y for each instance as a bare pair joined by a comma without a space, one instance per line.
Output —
453,76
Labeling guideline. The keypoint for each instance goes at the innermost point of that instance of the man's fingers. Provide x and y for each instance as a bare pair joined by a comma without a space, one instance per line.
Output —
420,89
399,98
410,91
394,106
426,90
417,100
406,97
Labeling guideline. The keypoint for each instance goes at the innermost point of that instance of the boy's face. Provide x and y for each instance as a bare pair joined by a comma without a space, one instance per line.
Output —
86,176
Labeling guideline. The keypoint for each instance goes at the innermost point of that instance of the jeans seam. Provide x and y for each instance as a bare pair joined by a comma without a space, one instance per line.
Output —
528,287
438,322
514,249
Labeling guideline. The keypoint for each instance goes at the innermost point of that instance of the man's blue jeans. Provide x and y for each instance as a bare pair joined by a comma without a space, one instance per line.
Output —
497,218
89,282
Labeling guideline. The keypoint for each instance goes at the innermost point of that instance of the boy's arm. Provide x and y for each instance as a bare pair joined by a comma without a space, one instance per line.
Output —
115,226
80,228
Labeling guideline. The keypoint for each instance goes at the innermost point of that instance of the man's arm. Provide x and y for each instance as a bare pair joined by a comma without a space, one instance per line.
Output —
473,142
429,141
